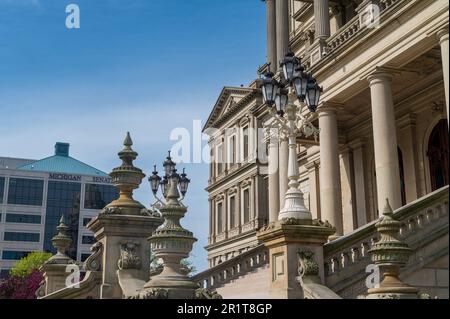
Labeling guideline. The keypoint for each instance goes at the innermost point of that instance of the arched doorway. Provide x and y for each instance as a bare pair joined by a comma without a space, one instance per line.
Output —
438,155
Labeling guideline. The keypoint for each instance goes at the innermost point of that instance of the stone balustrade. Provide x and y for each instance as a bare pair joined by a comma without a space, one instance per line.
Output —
346,258
233,268
359,23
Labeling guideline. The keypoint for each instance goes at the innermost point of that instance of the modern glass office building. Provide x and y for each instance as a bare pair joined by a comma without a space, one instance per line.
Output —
34,195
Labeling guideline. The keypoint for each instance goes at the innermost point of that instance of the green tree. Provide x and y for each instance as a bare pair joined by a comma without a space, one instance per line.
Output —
33,261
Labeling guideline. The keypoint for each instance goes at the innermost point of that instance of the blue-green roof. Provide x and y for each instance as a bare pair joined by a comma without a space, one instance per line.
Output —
61,162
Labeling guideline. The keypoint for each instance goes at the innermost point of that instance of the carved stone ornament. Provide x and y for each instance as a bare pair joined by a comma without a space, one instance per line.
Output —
153,293
111,210
129,258
93,262
40,292
307,266
202,293
150,213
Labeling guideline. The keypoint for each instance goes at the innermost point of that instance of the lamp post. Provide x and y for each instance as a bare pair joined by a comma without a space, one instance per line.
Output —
280,98
171,242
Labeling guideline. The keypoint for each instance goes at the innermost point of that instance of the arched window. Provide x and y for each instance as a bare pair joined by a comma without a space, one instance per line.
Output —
438,155
402,176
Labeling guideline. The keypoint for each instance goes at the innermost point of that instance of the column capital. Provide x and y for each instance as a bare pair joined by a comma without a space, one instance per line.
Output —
327,107
442,34
380,76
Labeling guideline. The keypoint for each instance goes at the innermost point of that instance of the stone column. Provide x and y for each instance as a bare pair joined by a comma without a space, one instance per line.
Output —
385,140
283,169
359,167
330,179
443,40
314,192
348,190
282,21
321,19
271,35
274,185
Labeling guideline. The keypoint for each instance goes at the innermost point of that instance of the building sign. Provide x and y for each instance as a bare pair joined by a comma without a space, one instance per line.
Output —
65,177
103,180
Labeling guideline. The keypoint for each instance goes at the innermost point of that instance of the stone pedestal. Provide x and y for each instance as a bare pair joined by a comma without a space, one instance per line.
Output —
58,267
125,246
287,240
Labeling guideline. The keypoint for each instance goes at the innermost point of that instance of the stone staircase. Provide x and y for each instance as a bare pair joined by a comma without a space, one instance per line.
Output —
424,228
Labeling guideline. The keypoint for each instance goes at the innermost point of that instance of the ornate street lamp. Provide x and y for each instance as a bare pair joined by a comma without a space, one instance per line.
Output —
289,64
171,242
155,181
297,85
184,183
300,82
269,87
313,92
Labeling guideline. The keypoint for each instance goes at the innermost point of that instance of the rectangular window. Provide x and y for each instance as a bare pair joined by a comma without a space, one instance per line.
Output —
232,150
87,240
98,196
25,191
233,212
86,221
28,237
23,218
2,188
219,218
14,255
219,157
63,199
246,203
245,143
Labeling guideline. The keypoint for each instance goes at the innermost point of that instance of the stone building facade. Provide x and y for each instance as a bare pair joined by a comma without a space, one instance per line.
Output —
383,121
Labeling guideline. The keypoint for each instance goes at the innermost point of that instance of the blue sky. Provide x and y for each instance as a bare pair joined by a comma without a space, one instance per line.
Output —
144,66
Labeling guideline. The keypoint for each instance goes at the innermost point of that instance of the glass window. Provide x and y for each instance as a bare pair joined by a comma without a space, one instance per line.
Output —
63,199
98,196
23,218
29,237
245,142
2,188
219,158
233,211
25,191
246,206
232,150
86,220
88,240
219,218
14,255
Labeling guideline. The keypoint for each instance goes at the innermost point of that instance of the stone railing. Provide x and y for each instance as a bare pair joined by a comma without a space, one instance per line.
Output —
357,24
346,258
233,268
